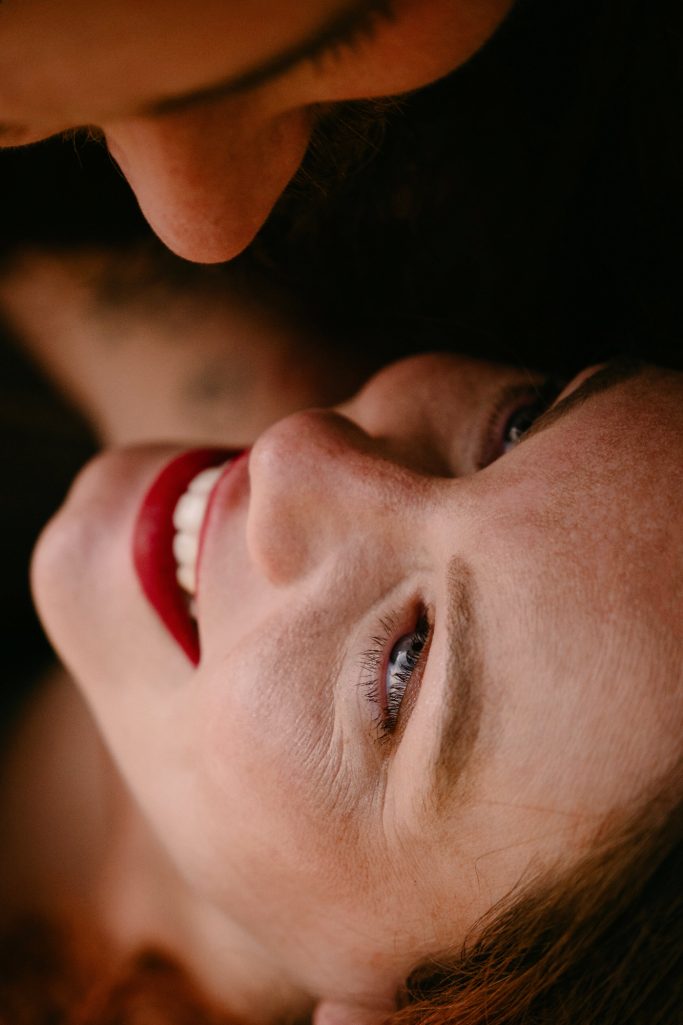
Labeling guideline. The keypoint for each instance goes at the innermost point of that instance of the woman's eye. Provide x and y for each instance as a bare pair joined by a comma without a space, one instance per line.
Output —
403,660
520,422
514,412
525,416
386,675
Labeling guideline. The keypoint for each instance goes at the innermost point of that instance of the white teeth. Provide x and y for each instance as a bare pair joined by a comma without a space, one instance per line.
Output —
185,547
189,512
187,578
204,481
188,517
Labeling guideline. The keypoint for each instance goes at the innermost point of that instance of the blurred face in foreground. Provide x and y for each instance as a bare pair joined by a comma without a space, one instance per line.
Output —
208,108
432,656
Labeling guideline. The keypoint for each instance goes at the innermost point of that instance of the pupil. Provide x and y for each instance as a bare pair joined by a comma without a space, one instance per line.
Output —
401,655
520,423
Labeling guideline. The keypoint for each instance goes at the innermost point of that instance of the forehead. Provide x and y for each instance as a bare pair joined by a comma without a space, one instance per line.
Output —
583,559
603,481
78,59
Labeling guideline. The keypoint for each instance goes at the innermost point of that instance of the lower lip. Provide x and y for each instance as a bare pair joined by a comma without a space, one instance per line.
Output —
153,534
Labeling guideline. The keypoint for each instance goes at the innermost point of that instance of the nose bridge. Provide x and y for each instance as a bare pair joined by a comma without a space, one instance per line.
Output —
402,408
317,481
207,179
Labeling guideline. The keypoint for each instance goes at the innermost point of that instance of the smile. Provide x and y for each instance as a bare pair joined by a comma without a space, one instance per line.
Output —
167,539
188,519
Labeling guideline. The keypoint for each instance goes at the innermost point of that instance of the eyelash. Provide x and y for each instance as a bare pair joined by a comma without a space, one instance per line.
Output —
513,401
374,663
362,28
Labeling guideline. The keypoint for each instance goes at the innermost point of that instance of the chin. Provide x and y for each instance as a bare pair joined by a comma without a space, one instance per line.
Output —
83,579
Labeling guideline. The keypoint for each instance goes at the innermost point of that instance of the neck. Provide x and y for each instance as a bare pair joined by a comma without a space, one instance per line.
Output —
86,846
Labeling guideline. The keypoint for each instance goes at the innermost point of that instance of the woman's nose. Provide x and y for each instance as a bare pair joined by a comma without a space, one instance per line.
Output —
318,482
361,472
207,179
412,408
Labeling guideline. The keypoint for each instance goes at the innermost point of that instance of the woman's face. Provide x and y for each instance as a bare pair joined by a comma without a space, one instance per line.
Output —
433,657
208,108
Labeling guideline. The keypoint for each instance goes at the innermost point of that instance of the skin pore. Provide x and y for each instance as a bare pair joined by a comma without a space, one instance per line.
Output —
210,119
549,578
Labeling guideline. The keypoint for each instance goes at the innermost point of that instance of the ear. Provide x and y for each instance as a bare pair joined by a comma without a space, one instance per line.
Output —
330,1013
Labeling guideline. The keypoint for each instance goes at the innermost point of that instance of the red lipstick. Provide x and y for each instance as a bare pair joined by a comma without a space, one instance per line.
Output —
153,534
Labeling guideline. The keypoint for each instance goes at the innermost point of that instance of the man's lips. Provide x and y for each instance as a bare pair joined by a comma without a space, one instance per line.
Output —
153,557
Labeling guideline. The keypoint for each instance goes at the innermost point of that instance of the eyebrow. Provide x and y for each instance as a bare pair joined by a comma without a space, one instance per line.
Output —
334,28
462,713
618,370
461,717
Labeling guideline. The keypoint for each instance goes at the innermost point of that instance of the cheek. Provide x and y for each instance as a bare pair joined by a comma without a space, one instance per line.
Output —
269,775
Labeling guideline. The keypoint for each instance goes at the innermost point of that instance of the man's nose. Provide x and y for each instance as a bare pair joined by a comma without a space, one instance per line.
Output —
319,482
206,180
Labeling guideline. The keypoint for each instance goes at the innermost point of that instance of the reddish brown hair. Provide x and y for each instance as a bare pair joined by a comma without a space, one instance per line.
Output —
600,945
